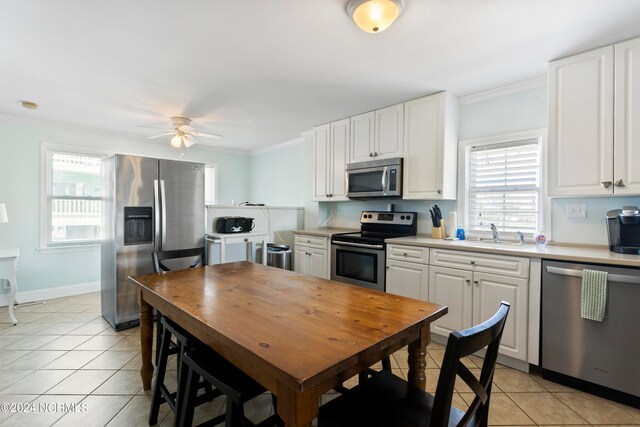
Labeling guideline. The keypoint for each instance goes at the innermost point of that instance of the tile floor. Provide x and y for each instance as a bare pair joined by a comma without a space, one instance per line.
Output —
64,353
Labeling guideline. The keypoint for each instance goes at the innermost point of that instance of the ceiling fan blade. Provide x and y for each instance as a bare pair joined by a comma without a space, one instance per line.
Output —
162,134
190,140
159,127
207,135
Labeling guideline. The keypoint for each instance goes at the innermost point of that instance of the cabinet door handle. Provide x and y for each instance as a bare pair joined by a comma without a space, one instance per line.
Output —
387,267
370,154
476,282
472,262
606,184
375,154
468,280
405,254
439,191
619,183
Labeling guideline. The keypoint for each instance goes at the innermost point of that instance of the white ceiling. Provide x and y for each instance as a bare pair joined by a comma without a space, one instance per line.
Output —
260,72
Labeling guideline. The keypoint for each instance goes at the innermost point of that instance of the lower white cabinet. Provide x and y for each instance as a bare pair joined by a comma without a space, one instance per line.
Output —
472,286
310,256
408,279
474,296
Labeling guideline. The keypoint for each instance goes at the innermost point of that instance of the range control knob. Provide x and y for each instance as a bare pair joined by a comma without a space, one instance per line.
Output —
401,216
408,217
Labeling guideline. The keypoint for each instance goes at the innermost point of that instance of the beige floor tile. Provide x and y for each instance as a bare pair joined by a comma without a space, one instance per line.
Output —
111,359
74,359
136,413
35,359
634,412
127,343
510,380
435,346
402,360
22,316
13,399
8,377
462,387
458,402
99,411
7,340
48,409
594,409
134,364
545,408
67,342
89,329
60,328
32,342
37,382
122,382
25,328
82,382
502,410
550,385
99,342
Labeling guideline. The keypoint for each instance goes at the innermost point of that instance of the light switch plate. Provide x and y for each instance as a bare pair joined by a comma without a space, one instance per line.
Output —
576,210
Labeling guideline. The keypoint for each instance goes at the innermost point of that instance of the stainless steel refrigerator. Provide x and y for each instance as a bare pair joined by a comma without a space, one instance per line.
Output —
149,205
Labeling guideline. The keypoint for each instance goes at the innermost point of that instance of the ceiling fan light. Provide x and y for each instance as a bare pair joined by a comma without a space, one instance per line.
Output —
374,16
176,141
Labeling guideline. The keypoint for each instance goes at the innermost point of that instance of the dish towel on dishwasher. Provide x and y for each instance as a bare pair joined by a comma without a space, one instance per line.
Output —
593,295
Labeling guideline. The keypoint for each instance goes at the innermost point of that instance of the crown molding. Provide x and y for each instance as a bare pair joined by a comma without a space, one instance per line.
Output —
278,146
504,90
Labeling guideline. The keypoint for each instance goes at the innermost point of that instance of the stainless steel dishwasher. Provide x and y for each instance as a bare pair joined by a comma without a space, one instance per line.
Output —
599,357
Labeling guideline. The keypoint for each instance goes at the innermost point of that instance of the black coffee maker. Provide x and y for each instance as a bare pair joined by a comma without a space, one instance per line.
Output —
624,230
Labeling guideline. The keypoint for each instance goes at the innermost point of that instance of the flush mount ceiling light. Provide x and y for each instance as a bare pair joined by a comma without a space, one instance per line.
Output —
374,16
29,105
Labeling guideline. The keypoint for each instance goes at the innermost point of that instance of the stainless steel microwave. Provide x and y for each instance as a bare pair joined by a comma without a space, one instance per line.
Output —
375,179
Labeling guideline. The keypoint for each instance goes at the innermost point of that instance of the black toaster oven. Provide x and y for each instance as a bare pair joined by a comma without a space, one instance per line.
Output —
234,224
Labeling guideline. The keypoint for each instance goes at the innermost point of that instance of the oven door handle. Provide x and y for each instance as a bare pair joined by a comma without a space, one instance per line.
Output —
357,245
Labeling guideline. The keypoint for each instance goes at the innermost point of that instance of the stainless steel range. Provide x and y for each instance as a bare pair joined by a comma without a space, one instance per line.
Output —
360,258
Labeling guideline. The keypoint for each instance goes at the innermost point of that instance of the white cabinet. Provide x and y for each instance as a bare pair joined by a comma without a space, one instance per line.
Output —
377,134
310,255
331,151
430,147
461,281
592,151
407,271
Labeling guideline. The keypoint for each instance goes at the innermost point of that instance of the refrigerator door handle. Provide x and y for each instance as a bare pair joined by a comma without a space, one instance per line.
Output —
164,216
156,196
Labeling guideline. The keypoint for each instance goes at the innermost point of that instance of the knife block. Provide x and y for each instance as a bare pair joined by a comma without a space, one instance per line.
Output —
438,232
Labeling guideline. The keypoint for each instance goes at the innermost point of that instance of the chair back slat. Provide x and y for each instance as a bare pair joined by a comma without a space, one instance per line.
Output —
462,344
159,256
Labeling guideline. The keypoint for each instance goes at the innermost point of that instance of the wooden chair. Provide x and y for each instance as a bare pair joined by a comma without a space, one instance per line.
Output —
161,394
385,400
198,255
225,377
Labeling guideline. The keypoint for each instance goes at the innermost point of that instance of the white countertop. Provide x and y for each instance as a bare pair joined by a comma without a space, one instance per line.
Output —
600,255
326,231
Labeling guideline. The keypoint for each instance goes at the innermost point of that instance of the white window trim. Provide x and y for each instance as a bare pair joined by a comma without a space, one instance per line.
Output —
464,147
44,216
216,168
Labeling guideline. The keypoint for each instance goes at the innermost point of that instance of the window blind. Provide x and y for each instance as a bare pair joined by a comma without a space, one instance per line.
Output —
504,186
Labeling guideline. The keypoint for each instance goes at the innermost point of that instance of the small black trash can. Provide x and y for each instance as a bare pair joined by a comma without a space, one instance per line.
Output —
277,256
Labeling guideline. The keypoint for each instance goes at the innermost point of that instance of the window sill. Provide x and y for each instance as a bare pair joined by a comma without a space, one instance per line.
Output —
69,248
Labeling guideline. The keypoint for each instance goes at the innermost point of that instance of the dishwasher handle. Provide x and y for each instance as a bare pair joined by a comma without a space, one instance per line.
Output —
623,278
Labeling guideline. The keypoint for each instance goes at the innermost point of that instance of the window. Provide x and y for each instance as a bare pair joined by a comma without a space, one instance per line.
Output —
72,199
503,185
210,184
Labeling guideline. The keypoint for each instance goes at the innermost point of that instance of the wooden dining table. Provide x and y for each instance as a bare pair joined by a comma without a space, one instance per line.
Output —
298,336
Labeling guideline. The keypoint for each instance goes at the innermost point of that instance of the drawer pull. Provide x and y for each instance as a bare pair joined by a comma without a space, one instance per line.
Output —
405,254
468,280
476,282
472,262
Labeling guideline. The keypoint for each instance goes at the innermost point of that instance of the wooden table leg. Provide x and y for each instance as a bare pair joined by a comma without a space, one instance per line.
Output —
146,341
417,358
297,409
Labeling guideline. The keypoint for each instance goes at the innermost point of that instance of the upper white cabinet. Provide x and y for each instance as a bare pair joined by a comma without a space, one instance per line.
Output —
331,152
430,147
377,134
593,144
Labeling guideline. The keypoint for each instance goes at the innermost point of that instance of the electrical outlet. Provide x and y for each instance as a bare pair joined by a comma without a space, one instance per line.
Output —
576,210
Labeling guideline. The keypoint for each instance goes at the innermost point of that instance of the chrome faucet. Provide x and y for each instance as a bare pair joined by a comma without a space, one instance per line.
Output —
520,236
494,230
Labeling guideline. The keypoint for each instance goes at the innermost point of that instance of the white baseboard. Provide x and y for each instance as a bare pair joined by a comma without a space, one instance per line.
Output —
51,293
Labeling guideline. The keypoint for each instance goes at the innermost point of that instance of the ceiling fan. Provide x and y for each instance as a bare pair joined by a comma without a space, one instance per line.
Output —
183,134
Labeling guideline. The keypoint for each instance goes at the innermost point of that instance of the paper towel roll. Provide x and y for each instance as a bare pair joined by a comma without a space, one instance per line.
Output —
453,224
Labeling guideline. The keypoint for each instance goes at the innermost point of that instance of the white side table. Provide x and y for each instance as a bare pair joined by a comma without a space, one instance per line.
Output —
11,255
246,238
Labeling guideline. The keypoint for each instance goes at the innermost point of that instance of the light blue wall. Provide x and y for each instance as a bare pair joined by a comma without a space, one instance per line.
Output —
20,142
278,176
